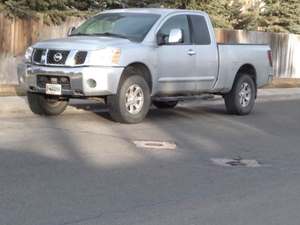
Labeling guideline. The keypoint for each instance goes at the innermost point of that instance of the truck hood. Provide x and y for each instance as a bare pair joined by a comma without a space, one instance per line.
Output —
82,43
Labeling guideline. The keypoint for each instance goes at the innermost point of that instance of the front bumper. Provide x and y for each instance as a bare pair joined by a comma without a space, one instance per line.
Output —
106,78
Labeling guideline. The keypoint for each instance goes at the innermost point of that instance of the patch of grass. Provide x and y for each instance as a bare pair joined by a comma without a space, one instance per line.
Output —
284,83
11,90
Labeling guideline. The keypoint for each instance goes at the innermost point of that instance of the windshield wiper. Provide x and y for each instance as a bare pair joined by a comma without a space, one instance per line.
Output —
108,34
80,34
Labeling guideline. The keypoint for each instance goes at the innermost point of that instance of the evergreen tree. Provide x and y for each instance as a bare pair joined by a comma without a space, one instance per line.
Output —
281,16
217,9
244,17
275,15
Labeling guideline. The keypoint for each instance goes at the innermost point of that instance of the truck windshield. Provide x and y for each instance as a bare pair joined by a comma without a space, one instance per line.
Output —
132,26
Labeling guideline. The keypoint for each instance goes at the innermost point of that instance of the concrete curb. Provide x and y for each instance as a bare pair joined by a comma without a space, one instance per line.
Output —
18,105
16,90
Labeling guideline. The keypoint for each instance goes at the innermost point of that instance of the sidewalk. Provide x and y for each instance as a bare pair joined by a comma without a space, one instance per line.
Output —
18,104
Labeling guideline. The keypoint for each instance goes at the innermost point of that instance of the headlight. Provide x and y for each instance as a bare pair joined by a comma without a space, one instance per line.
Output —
104,57
28,54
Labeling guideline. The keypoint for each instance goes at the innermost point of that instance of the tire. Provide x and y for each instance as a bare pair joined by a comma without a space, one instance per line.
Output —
241,99
132,102
41,105
165,105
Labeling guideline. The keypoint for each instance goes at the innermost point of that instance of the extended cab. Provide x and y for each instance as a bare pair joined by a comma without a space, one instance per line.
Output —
135,57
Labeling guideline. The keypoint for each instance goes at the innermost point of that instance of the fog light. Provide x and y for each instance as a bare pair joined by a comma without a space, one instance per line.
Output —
92,83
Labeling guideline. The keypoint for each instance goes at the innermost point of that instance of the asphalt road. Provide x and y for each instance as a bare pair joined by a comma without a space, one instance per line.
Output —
83,169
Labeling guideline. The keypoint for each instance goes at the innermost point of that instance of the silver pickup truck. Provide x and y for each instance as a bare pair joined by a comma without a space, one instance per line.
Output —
133,58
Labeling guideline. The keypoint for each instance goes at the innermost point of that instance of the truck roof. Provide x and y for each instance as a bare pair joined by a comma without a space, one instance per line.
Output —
161,11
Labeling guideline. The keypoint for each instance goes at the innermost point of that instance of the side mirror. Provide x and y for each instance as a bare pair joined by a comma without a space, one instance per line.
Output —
70,31
176,36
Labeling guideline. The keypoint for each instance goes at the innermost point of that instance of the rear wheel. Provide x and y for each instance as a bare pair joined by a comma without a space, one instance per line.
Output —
132,102
165,105
241,99
41,105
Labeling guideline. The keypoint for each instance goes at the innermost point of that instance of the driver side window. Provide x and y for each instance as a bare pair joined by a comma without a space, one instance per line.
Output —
177,22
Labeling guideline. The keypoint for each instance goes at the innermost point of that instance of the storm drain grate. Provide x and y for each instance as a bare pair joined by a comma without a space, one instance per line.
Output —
238,162
164,145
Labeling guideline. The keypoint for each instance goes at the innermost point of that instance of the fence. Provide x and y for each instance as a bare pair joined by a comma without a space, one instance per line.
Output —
16,35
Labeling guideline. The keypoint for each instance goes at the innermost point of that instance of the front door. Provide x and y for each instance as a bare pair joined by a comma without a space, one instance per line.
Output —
176,62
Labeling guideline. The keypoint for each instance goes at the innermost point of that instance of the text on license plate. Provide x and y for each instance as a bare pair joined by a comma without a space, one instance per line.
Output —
53,89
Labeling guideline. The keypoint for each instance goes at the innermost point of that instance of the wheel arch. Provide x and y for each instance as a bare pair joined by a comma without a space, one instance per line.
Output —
145,72
250,70
247,69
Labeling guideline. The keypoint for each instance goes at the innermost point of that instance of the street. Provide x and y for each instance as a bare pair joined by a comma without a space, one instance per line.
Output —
84,169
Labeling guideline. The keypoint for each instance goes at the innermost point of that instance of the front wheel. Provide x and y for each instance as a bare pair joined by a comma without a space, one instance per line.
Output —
241,99
132,102
41,105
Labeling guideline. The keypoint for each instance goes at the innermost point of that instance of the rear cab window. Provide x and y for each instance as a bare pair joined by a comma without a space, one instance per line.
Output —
199,30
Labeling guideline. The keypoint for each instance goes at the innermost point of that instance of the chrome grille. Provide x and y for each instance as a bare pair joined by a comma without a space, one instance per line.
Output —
57,57
38,55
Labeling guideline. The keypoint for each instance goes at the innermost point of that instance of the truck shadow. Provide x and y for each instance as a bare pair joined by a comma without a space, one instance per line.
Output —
183,111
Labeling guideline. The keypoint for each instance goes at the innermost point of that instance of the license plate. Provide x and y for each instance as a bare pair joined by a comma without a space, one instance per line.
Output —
53,89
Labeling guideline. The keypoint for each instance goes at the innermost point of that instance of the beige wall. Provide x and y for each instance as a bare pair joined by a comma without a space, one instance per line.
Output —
16,35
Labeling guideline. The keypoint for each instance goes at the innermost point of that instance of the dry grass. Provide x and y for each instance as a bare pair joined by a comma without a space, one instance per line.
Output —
11,90
285,83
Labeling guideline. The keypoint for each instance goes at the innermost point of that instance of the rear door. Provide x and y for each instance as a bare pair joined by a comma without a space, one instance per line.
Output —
176,62
207,53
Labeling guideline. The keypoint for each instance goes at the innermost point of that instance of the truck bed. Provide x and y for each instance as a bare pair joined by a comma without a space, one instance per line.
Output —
234,56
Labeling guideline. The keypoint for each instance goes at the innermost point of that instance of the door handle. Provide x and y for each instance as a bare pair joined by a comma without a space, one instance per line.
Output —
191,52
